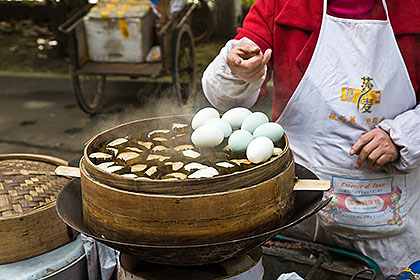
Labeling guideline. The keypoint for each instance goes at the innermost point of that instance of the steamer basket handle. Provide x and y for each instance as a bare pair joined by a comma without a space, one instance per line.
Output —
311,185
67,171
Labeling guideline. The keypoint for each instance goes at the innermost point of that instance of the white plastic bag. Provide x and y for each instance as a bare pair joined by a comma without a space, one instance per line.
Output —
102,261
290,276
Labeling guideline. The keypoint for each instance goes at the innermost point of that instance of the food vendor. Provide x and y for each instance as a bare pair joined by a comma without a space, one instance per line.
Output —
346,76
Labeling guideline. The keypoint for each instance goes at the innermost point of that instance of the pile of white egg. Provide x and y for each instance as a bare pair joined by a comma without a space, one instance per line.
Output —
247,131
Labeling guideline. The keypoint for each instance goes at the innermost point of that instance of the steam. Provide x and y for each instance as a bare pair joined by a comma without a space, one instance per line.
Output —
151,101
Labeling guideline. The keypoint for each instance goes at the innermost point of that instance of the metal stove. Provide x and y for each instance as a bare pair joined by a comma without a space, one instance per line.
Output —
245,267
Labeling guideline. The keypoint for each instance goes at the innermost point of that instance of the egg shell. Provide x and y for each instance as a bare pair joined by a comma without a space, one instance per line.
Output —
260,149
207,136
236,116
204,173
253,121
203,115
194,166
272,130
222,124
239,140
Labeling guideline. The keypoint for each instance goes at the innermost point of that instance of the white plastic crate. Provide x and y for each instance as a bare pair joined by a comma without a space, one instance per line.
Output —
119,31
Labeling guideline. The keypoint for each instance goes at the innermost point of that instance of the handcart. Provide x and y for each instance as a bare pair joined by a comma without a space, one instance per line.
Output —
176,43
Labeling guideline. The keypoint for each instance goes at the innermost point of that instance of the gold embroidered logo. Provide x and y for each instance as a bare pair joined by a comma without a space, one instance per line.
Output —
364,98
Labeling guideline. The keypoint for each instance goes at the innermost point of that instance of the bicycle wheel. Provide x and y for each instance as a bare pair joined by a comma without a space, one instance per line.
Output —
183,69
89,90
202,23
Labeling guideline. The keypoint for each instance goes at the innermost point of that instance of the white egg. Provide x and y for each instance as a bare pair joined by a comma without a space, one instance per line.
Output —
222,124
239,140
254,120
207,136
260,149
203,115
272,130
236,116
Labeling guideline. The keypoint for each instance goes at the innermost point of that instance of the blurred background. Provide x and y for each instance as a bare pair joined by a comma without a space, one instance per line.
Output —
41,110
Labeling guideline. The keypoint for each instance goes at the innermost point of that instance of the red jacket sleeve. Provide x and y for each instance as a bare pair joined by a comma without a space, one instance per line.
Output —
258,24
258,27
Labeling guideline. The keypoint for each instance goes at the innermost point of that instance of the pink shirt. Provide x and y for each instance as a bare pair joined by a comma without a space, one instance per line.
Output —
351,7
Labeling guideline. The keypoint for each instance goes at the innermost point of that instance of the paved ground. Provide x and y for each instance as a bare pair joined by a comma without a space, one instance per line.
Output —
39,113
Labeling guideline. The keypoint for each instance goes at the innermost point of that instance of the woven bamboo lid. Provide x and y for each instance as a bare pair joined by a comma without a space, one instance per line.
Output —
29,223
28,182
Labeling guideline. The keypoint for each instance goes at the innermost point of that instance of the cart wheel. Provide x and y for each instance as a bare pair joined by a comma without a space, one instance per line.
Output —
183,63
89,90
202,23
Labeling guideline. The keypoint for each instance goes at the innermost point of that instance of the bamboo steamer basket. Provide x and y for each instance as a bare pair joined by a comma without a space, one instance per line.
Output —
247,177
29,224
184,212
141,218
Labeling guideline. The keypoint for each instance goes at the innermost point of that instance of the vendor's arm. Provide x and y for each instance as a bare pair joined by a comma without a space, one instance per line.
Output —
235,76
403,132
395,141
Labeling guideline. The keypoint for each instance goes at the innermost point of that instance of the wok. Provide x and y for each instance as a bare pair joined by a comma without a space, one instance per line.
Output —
307,203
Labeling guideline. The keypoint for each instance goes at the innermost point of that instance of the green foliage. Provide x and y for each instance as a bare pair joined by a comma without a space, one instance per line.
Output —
248,2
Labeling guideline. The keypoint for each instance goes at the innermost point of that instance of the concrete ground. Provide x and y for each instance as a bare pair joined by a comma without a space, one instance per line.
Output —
39,113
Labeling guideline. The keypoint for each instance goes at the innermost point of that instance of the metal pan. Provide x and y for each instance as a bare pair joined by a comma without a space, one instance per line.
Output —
69,208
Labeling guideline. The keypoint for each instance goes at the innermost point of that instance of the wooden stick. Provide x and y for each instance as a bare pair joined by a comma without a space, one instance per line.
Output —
312,185
67,171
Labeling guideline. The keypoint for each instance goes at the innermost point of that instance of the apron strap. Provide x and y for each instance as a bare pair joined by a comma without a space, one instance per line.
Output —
324,9
386,9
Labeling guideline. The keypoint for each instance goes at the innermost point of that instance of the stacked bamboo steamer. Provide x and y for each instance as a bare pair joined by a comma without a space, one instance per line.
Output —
29,224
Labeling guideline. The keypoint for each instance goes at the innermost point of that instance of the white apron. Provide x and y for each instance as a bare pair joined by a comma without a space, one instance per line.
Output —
356,78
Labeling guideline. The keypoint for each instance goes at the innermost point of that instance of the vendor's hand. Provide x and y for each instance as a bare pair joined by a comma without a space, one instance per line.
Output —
248,62
375,148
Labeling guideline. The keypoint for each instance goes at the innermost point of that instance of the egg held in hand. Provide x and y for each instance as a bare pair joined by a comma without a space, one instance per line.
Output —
207,136
260,149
